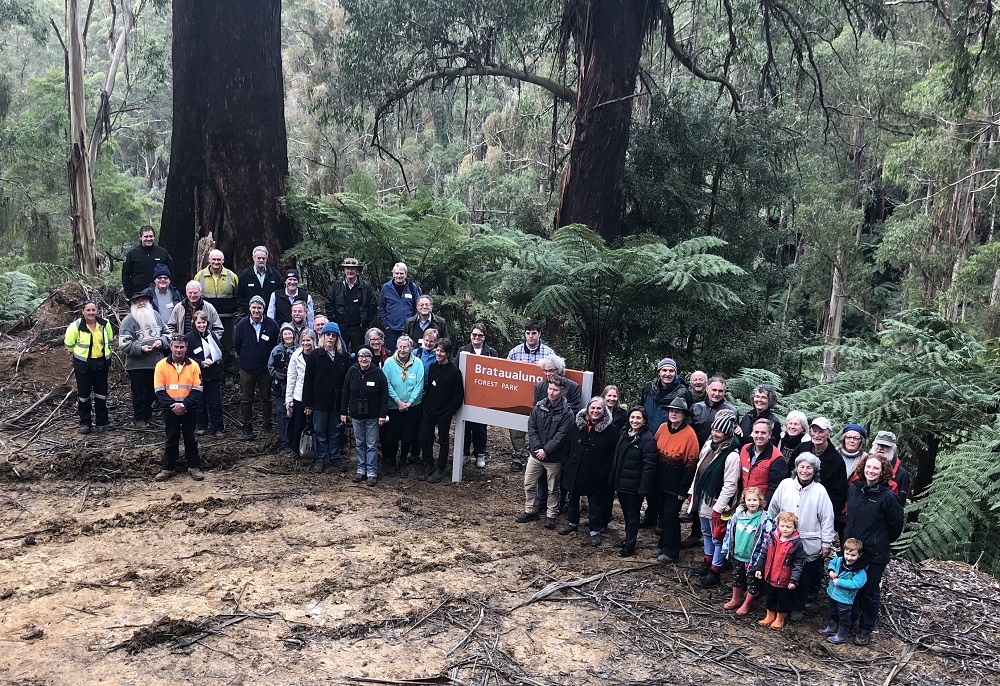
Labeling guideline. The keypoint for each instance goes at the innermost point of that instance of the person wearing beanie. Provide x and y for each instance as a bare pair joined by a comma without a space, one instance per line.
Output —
279,307
163,296
803,495
853,446
656,396
254,337
714,491
326,369
366,401
277,367
140,263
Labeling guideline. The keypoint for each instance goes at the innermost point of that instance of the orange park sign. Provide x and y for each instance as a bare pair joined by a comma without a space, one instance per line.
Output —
501,392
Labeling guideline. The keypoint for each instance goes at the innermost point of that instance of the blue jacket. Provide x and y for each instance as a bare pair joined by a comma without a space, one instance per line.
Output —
254,352
409,390
849,581
393,309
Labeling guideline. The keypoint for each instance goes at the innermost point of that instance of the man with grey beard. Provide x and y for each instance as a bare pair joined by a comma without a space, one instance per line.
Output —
144,340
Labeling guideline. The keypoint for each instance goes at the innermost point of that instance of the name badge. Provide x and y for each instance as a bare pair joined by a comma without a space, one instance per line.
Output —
371,383
357,300
408,295
434,382
265,337
173,386
196,351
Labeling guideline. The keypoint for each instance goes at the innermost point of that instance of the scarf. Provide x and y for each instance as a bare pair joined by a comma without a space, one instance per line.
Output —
709,482
403,366
210,347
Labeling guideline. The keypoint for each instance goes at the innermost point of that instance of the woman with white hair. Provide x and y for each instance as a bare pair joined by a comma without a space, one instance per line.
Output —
806,498
796,431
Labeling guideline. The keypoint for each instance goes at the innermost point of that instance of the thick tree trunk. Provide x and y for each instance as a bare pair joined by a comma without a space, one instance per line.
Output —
78,164
229,155
834,320
609,36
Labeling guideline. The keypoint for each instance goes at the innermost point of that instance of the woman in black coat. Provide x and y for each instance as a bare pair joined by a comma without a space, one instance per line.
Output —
326,369
475,433
874,517
633,473
587,470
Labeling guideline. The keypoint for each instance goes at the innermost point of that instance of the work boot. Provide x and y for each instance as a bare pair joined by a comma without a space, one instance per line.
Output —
196,474
164,474
566,529
769,619
710,579
436,476
372,481
550,523
358,478
863,638
736,600
744,609
779,620
526,517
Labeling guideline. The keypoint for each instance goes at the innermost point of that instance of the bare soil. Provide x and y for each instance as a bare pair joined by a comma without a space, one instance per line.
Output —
265,573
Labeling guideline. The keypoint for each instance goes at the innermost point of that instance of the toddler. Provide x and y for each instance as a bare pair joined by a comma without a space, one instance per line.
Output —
780,565
847,576
745,534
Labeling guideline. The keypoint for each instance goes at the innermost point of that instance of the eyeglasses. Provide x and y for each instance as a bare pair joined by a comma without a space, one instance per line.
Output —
375,338
478,335
364,357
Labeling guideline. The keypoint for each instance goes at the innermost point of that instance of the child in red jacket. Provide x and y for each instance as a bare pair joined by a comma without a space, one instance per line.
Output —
780,565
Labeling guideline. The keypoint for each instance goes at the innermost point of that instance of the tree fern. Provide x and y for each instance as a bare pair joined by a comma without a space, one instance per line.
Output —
957,516
18,296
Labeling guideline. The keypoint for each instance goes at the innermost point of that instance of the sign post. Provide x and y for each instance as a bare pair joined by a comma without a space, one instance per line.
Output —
501,392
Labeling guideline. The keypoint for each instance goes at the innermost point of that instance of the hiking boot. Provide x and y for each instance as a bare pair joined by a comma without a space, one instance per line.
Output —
84,429
358,478
626,552
566,529
317,468
164,474
709,579
196,474
702,569
480,461
436,476
863,638
516,466
140,424
666,559
595,539
526,517
372,481
550,523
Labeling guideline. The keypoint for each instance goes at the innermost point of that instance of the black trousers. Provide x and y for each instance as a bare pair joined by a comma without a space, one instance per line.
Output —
141,381
475,439
670,534
428,424
630,503
746,580
399,434
869,598
92,386
780,599
839,613
812,575
176,426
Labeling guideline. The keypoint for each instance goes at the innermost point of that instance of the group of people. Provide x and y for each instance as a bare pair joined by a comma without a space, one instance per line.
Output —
765,502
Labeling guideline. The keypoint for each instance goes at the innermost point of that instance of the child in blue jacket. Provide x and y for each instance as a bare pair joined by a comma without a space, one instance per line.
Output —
846,579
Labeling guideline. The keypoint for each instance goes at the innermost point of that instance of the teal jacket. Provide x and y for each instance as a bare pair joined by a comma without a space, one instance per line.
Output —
409,389
849,581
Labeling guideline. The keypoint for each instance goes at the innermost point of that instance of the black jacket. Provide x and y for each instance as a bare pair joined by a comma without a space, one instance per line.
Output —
487,350
413,330
137,271
366,393
444,390
746,424
340,298
548,429
254,352
874,517
703,415
197,353
571,392
591,455
324,380
249,287
619,418
635,462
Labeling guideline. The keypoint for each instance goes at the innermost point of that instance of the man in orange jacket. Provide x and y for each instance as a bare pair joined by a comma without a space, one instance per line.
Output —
177,383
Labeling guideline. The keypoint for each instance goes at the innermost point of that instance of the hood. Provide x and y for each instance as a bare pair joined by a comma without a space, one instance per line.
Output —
581,420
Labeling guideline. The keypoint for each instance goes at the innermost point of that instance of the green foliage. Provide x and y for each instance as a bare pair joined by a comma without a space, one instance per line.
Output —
741,386
956,518
18,296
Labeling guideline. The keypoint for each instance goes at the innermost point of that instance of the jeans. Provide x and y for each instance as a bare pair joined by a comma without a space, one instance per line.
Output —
141,381
252,384
839,613
326,427
366,445
534,469
211,405
670,536
597,517
713,546
630,503
176,425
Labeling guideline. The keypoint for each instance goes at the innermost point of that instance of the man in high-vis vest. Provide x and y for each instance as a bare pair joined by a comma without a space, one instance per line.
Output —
177,382
218,287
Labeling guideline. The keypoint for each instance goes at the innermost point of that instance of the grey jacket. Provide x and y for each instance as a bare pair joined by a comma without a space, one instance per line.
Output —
177,315
131,338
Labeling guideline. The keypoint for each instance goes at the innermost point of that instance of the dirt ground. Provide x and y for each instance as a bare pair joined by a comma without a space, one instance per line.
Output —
265,573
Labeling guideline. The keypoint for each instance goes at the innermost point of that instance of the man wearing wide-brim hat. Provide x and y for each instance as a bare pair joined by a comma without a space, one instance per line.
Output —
350,303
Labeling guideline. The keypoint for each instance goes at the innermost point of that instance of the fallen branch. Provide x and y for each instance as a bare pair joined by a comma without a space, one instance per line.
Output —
559,585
